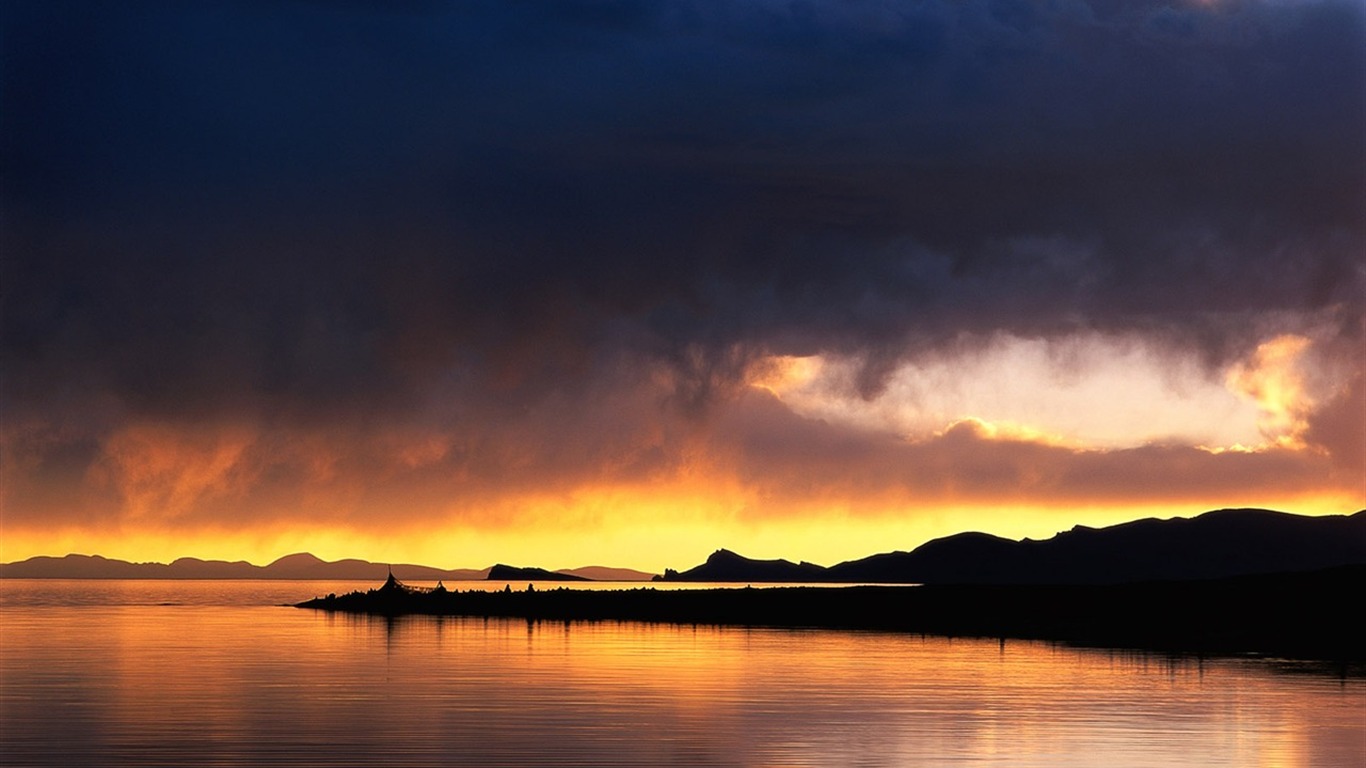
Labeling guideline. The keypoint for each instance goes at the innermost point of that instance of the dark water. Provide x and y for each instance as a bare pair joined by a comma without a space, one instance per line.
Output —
217,673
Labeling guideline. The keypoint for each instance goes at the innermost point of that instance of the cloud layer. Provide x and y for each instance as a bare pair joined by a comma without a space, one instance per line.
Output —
379,260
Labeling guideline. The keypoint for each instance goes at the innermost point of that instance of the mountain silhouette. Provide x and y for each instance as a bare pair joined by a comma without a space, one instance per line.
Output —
296,566
301,566
606,573
502,572
725,565
1218,544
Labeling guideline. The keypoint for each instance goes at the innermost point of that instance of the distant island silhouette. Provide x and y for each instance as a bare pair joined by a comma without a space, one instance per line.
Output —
502,572
1226,582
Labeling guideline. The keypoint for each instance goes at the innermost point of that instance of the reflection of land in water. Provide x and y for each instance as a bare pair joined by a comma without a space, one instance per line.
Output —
227,678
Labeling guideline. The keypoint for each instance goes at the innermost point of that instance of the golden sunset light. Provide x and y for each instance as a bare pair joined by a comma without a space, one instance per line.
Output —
638,383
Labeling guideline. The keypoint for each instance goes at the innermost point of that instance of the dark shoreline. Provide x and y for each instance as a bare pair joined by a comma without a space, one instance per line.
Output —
1315,615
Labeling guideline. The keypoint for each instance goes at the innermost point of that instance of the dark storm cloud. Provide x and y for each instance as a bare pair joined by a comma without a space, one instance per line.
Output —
335,211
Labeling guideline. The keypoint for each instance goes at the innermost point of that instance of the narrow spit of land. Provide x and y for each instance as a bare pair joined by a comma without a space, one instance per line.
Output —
1315,615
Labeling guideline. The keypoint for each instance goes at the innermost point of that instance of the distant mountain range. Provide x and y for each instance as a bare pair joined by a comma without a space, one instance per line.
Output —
298,566
1223,543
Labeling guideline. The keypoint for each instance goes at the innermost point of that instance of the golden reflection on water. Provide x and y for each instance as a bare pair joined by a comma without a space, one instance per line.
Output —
153,684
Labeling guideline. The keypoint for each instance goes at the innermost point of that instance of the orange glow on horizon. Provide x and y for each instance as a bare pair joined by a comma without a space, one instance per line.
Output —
669,534
640,486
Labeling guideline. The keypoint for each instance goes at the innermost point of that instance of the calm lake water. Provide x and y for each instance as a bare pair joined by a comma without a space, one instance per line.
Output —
219,673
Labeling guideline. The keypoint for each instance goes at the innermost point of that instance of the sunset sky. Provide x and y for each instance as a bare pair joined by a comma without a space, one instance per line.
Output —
620,282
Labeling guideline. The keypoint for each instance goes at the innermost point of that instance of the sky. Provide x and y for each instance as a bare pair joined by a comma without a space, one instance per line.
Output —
622,282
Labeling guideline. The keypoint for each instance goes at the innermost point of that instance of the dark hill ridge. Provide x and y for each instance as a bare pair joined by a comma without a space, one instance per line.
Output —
502,572
724,565
302,566
1219,544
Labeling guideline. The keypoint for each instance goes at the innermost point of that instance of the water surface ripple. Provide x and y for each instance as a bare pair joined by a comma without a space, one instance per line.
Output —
219,673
